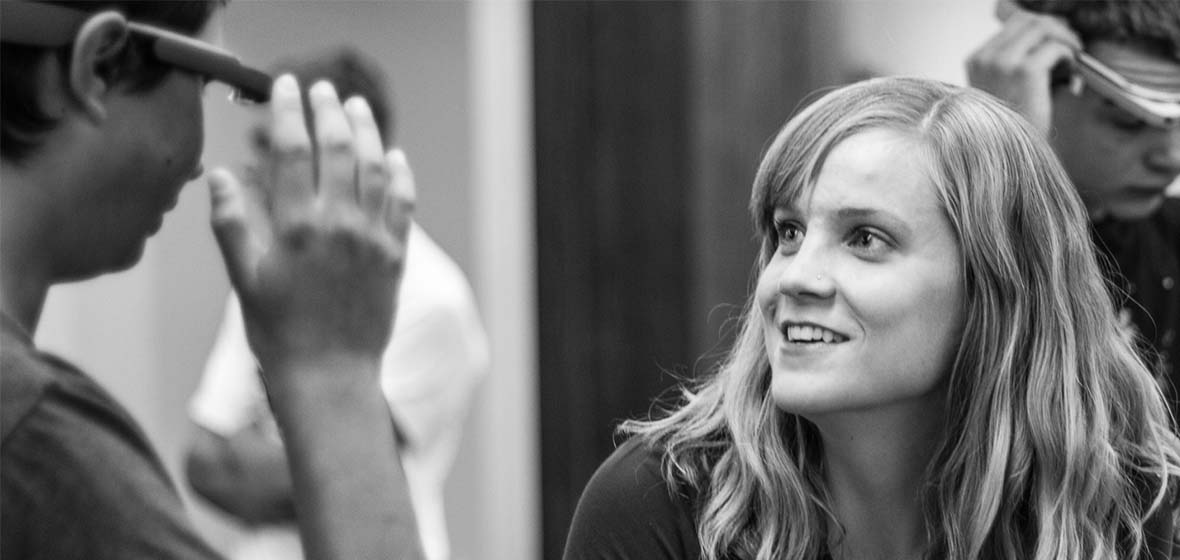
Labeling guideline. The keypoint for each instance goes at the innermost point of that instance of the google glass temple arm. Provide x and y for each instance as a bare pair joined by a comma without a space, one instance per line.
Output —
50,26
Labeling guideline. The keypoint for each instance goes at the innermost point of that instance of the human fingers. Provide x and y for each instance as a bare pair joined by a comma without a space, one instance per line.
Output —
1059,30
334,140
1042,58
401,194
292,187
1032,32
1002,40
373,175
230,219
1008,50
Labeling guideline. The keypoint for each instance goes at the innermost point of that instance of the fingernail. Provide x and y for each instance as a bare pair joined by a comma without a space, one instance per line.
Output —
358,105
286,84
323,89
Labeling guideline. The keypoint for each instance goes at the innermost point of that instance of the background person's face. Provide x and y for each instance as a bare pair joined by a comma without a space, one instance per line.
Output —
862,302
1119,164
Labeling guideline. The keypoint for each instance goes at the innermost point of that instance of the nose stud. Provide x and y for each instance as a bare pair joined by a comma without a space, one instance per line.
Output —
782,283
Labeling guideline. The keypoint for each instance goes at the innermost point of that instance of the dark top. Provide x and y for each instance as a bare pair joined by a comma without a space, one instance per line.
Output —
628,511
78,479
1143,267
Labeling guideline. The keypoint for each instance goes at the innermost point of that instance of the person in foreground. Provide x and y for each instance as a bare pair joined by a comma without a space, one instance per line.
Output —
1118,138
99,135
437,355
929,365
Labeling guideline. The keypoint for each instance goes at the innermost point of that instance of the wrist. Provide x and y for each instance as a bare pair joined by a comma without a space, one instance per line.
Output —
330,378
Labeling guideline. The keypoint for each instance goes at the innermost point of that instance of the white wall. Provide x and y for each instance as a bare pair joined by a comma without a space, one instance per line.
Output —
924,38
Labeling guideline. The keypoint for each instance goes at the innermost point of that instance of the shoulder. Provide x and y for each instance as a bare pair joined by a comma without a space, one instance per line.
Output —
23,381
77,476
28,377
432,279
437,316
628,510
435,296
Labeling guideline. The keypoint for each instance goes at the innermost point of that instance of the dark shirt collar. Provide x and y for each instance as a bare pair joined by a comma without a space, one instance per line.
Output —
14,329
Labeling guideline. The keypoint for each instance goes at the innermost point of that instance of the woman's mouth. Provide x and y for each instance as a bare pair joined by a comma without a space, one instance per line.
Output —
810,333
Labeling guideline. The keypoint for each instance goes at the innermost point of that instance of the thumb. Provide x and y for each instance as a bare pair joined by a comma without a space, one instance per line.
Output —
230,222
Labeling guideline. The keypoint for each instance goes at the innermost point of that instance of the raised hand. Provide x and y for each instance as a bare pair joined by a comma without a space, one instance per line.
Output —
315,248
1016,63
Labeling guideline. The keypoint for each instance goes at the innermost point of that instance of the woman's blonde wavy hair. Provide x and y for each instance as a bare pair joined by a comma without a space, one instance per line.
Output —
1058,443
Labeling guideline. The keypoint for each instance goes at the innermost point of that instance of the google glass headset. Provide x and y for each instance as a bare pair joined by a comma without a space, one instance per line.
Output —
1155,107
38,24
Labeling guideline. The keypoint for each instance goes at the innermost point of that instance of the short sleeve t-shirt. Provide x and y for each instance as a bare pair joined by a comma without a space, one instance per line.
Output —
78,478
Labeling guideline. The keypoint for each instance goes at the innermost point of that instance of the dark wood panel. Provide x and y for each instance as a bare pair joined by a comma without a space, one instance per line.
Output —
751,66
650,118
612,205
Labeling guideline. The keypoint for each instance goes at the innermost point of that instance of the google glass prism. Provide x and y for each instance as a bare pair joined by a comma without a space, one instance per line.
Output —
39,24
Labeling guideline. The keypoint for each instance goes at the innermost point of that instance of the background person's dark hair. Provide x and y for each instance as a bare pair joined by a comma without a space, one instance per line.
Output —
351,72
23,122
1150,24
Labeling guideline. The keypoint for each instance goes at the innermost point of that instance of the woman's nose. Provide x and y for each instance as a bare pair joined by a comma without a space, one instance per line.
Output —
806,274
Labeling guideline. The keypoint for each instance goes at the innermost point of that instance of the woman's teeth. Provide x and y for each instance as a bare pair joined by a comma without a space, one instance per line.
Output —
808,333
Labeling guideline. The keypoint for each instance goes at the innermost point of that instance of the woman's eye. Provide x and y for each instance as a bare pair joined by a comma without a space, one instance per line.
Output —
789,233
867,241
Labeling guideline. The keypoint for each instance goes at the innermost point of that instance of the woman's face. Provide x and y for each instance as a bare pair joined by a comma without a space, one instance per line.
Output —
862,301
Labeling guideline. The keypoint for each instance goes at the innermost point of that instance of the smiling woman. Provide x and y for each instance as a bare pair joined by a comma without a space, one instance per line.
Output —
862,300
929,365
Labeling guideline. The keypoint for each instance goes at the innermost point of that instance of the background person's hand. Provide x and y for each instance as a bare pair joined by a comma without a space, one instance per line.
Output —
1015,64
315,249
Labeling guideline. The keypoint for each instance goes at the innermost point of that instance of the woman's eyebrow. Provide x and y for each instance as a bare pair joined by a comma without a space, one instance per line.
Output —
857,213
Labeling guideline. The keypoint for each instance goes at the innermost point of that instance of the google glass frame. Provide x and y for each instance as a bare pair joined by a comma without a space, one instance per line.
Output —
1157,108
38,24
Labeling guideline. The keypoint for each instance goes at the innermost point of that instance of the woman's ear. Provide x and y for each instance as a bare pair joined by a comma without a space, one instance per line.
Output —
99,44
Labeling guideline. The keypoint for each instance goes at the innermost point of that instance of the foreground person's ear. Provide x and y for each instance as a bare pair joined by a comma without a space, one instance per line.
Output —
97,49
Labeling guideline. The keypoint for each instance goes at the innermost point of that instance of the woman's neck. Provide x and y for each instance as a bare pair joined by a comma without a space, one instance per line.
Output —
874,467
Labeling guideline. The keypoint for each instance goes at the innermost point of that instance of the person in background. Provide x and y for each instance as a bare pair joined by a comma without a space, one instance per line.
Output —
929,365
102,126
1119,142
429,372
